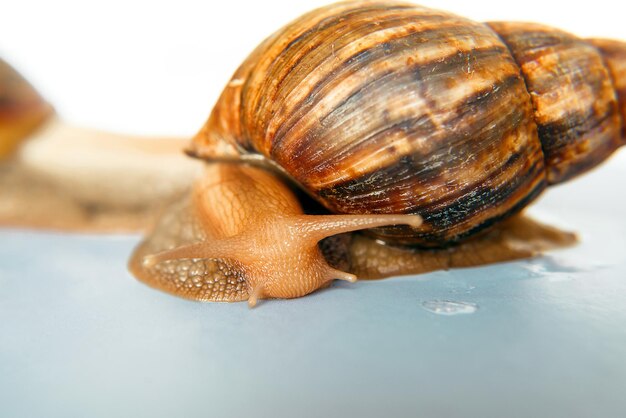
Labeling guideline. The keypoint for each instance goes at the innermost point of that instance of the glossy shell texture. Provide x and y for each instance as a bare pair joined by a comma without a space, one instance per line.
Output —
388,107
573,96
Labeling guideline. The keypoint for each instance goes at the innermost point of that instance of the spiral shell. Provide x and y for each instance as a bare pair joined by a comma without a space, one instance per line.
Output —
387,107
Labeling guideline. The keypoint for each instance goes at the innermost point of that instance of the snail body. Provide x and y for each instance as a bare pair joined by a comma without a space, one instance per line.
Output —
248,215
387,107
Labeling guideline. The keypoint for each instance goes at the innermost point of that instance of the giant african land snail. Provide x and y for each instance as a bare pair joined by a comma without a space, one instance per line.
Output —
386,107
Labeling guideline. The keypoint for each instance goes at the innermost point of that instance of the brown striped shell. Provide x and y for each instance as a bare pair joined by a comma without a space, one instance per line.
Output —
388,107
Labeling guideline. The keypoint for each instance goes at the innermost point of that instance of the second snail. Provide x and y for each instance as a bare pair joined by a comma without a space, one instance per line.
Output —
434,129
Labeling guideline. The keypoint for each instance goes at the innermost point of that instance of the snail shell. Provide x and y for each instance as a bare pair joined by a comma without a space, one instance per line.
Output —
22,109
387,107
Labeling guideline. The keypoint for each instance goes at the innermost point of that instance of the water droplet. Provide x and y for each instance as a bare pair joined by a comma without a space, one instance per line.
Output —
449,307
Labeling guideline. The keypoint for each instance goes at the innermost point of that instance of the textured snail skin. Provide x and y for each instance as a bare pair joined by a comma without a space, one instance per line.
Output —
248,215
387,107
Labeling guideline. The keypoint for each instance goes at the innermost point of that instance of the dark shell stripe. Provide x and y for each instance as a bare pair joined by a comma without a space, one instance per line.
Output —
458,218
573,96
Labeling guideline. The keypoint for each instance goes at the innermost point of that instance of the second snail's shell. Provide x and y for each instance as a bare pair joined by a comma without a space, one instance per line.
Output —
387,107
22,110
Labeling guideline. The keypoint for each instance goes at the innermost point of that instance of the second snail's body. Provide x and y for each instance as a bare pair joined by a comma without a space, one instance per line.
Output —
382,107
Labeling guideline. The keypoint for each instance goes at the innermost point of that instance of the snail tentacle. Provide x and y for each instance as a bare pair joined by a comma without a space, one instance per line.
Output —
215,249
304,232
256,294
323,226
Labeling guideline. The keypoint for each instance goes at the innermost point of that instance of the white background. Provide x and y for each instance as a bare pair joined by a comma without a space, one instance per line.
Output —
157,67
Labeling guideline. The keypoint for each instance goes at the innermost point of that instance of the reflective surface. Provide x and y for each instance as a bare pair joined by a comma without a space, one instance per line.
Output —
545,337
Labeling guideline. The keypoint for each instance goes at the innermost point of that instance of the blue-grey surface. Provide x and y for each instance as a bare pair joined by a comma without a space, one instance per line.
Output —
543,338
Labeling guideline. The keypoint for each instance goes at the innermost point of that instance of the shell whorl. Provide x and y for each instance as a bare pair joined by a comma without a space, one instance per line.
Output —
573,96
387,107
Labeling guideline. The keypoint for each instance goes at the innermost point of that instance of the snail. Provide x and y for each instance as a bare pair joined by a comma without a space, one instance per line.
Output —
433,129
374,108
